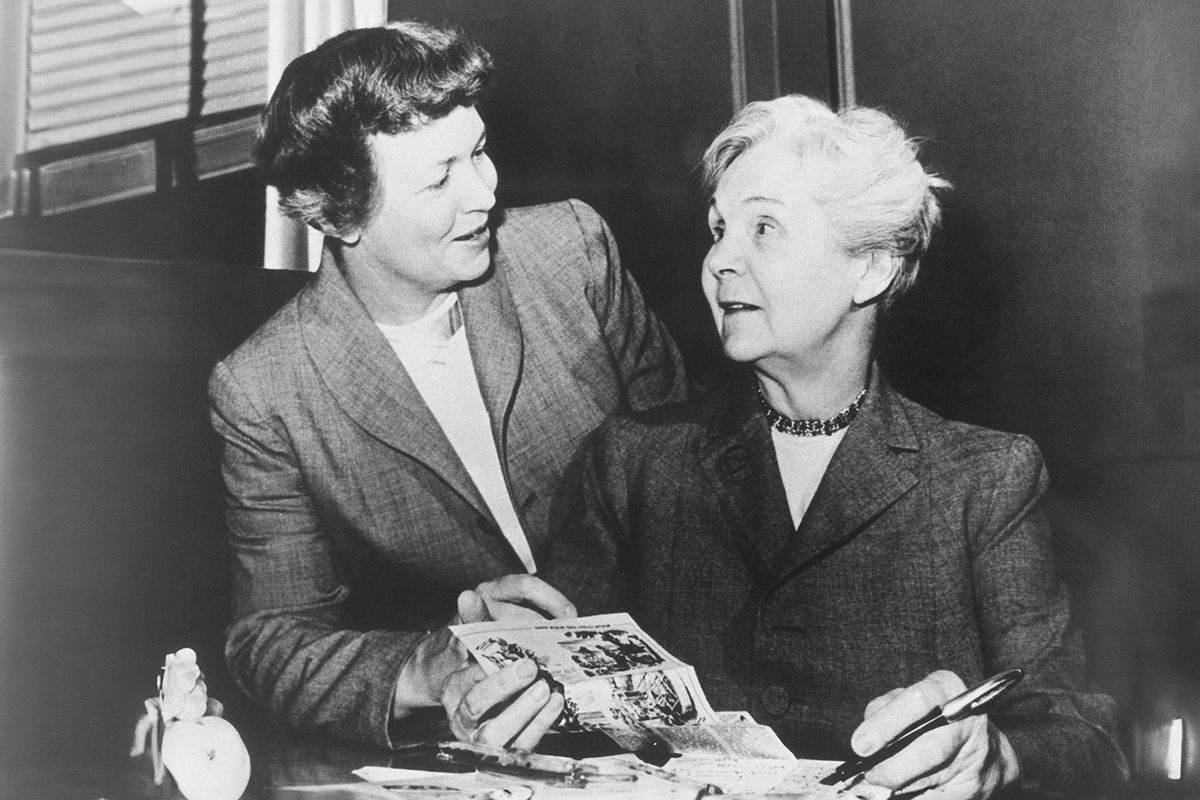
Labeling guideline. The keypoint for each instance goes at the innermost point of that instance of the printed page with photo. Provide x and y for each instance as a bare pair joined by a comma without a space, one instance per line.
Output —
611,673
615,678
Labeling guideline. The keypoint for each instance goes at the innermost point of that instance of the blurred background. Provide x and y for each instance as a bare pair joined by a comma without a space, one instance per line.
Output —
1061,299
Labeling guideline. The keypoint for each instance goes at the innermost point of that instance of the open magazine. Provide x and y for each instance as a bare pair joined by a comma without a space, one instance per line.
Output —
617,679
611,674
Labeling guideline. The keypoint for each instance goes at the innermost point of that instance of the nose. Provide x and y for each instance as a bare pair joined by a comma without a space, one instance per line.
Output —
480,193
723,259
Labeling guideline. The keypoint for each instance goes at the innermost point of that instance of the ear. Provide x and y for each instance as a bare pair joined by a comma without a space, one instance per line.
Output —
348,238
878,270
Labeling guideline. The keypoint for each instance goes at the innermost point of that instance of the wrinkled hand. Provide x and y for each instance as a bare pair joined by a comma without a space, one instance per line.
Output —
511,707
965,760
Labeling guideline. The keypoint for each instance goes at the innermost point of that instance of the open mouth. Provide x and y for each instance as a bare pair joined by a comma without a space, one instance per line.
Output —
730,307
473,234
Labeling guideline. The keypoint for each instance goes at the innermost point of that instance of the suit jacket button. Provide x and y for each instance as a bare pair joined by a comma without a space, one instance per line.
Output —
734,466
776,701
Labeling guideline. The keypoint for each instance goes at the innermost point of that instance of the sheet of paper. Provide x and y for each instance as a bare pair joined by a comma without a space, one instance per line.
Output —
486,786
616,678
725,740
611,673
805,776
749,778
733,775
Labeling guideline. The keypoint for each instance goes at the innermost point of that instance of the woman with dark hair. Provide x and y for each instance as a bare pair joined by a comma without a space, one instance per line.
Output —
807,537
393,435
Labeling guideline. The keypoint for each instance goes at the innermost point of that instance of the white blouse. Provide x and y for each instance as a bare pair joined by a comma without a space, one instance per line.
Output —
434,352
802,463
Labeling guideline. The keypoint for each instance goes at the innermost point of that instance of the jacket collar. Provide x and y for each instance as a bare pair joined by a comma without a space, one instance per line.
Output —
869,471
495,339
363,374
739,463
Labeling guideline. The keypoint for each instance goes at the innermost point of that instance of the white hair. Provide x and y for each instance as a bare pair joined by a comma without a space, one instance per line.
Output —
867,177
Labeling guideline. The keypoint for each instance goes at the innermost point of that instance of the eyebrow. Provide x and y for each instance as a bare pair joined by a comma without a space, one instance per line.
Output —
448,161
758,198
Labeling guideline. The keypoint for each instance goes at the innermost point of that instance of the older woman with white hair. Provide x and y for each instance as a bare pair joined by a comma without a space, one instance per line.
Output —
807,537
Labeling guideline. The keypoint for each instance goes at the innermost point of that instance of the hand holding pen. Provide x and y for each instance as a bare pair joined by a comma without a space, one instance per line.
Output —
934,734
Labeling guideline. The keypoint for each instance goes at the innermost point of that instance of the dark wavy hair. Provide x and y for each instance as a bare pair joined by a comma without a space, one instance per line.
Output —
314,137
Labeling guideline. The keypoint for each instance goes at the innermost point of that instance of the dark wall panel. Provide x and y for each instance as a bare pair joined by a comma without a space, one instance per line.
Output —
219,220
1062,297
1071,139
613,102
112,545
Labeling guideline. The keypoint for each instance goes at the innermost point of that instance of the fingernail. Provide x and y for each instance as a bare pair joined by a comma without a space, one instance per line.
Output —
862,743
526,668
540,691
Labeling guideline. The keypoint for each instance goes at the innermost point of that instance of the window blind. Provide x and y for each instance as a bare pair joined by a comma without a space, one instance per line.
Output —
103,66
235,55
98,67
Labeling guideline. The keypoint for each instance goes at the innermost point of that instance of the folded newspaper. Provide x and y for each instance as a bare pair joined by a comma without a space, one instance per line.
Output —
617,679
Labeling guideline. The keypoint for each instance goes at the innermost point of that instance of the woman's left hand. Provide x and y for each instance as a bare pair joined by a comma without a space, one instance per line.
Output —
510,708
513,707
965,760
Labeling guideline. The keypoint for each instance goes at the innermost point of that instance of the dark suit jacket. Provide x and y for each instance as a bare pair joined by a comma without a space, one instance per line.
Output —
925,548
353,523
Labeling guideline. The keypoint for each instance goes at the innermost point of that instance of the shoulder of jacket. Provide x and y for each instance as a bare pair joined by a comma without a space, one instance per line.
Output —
570,211
675,422
951,444
271,341
569,223
555,250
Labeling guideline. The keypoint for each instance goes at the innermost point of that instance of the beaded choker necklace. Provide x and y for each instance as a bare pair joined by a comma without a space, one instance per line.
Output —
810,427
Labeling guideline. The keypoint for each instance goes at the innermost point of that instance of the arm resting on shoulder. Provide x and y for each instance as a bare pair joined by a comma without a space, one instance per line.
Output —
590,533
642,349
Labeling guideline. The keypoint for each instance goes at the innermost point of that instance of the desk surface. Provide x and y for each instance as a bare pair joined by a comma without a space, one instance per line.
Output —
279,757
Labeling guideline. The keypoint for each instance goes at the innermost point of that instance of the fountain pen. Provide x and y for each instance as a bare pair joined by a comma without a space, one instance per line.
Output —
972,701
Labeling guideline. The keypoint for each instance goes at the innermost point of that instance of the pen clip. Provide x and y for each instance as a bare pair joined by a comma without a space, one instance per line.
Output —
972,700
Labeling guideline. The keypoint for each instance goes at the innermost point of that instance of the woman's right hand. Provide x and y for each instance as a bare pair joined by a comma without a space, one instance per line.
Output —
514,598
966,760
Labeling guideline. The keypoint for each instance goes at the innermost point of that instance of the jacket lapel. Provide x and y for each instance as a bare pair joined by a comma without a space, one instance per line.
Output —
497,347
866,475
368,381
738,462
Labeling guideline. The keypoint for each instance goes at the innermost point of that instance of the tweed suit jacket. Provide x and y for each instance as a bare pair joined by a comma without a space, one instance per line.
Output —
925,547
353,523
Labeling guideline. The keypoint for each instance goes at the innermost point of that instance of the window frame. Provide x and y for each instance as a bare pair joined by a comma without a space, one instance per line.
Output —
119,165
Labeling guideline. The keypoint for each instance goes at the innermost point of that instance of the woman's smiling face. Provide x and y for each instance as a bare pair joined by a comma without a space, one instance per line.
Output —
436,186
778,283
